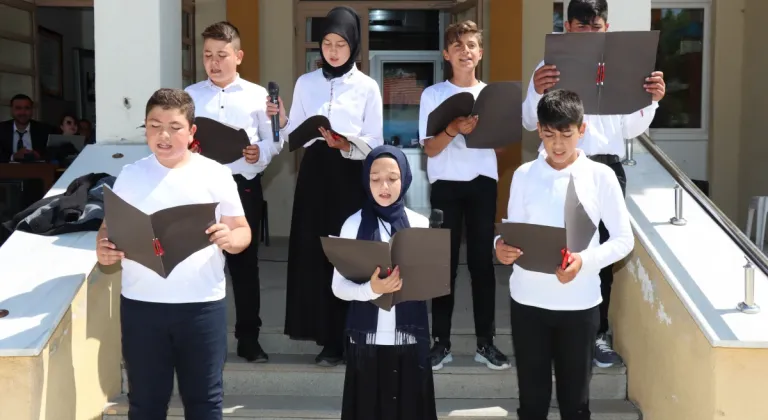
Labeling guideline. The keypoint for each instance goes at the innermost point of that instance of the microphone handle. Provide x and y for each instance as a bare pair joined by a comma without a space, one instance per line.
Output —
275,121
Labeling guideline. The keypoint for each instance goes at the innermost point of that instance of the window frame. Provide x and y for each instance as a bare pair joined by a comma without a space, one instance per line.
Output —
188,9
701,133
32,41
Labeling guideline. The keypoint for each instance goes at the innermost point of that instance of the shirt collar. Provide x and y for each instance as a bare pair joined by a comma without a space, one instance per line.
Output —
235,83
26,130
568,169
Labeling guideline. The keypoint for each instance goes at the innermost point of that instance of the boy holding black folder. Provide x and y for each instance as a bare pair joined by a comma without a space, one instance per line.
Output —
555,315
227,98
603,140
177,323
463,187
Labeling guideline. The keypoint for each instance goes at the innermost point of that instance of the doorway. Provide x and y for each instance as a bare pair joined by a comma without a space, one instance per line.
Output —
401,48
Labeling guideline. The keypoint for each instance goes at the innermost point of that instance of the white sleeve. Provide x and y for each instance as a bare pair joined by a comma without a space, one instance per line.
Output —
515,206
615,217
296,115
342,287
634,124
426,106
268,147
530,117
225,192
372,131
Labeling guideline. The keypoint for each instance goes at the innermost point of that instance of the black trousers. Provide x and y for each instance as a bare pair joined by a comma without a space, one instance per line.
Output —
160,338
541,336
474,202
606,273
244,267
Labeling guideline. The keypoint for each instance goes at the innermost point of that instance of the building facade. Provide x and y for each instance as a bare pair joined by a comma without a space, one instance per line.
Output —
710,51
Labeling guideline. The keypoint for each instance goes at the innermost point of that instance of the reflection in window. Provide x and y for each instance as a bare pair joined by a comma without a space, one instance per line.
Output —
681,57
557,18
403,84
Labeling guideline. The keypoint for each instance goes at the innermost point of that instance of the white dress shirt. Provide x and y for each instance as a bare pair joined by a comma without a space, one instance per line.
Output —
456,162
605,133
351,102
242,104
151,187
348,290
26,138
537,196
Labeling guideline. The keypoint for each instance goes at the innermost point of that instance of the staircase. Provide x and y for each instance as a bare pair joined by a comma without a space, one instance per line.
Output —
291,386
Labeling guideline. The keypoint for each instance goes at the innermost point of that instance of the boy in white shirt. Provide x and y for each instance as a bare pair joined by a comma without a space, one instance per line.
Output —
178,323
227,98
464,183
555,317
603,140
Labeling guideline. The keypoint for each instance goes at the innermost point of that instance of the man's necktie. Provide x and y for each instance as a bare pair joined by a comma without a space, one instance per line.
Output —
20,142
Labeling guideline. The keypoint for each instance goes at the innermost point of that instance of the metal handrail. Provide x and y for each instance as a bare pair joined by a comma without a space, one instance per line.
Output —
751,251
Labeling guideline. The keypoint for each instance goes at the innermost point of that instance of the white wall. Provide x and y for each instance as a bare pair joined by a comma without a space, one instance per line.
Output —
276,63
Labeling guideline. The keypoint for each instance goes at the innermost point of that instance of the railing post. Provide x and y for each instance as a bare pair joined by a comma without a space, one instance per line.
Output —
749,306
629,149
678,220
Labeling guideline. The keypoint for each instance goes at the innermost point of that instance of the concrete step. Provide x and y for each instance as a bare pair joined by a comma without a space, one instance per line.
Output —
275,342
298,375
315,408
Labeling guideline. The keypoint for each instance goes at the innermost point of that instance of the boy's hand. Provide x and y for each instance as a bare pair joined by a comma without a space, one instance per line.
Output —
570,272
545,77
220,234
334,140
273,109
107,253
252,153
390,284
507,254
655,85
463,125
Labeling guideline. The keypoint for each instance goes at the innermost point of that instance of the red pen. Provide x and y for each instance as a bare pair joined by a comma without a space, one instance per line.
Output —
566,258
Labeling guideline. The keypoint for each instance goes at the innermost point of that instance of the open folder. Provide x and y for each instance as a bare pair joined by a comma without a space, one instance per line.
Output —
221,142
606,69
423,255
499,111
543,246
310,130
161,240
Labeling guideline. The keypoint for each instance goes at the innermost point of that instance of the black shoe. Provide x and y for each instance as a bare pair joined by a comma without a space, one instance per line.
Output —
330,356
492,357
439,354
250,350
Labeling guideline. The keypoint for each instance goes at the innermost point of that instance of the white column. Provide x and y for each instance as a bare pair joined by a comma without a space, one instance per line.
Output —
138,50
626,15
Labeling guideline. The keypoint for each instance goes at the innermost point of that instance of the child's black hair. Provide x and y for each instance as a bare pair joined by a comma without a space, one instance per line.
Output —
560,109
586,11
178,99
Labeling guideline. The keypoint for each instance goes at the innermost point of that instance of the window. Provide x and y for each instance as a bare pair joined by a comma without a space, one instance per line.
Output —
558,17
682,57
17,42
187,44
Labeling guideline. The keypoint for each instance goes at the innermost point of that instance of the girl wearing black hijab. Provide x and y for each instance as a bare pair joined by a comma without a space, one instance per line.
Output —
328,187
389,376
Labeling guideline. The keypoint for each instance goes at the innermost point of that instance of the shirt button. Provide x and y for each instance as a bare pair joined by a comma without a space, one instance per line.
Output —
222,107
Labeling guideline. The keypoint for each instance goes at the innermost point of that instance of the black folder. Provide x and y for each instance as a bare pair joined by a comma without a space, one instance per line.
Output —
500,112
162,240
423,255
221,142
606,69
310,130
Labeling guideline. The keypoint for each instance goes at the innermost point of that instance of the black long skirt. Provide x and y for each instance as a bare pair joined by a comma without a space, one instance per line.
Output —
386,383
329,189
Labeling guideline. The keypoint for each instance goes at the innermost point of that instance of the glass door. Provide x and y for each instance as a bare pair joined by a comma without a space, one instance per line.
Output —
402,76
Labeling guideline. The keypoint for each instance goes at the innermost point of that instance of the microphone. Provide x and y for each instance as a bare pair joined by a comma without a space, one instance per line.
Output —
436,218
274,91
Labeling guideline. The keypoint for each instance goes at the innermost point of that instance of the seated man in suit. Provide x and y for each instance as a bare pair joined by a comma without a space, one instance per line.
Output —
22,138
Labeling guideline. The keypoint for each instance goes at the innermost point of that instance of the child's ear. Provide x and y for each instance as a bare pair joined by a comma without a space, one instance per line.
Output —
192,131
582,129
539,130
445,55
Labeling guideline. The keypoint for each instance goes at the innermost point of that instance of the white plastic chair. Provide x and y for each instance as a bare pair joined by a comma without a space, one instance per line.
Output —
759,205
